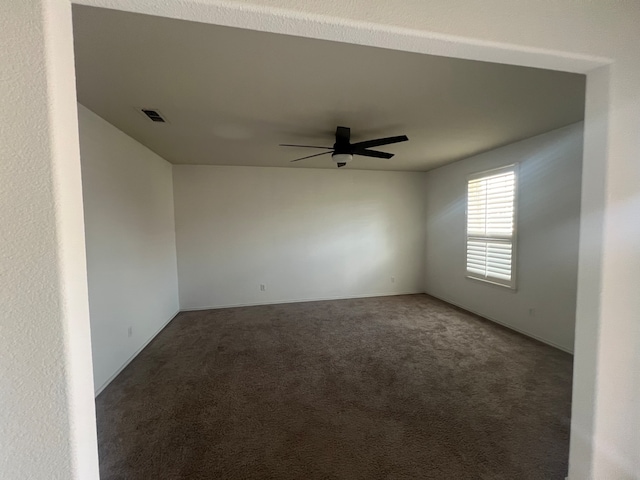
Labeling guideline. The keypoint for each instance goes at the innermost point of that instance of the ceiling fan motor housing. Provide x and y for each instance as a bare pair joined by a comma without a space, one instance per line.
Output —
343,150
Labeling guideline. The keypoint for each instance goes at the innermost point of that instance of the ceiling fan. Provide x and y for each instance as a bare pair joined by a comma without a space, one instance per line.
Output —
343,150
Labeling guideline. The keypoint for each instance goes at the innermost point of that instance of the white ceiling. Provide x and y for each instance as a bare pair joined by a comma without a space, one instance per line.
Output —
232,95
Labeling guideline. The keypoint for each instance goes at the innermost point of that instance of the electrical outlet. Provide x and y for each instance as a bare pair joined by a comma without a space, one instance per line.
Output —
263,287
393,279
129,332
532,312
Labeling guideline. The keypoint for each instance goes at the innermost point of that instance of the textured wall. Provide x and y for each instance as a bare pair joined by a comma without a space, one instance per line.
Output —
131,243
572,35
548,224
47,426
306,234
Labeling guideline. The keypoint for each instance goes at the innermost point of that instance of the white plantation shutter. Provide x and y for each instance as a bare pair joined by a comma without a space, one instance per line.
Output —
491,226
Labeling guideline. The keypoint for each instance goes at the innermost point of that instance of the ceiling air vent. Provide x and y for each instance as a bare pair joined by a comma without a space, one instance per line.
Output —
153,115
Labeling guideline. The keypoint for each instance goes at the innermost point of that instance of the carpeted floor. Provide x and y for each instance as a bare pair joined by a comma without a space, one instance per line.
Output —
403,387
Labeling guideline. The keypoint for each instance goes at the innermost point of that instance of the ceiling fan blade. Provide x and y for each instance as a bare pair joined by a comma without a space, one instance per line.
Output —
316,155
303,146
371,153
343,134
380,141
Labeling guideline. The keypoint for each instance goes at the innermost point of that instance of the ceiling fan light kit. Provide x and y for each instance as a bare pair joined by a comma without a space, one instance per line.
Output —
343,150
342,158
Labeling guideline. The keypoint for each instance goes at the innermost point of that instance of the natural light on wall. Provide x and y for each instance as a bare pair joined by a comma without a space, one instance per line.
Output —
491,226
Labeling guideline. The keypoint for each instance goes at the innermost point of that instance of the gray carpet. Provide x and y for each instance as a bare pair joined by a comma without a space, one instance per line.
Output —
404,387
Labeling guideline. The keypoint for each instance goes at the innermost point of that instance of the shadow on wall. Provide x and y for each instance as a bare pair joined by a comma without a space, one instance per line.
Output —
548,221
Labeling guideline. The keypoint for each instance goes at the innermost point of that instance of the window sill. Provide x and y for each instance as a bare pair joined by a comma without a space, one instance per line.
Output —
493,283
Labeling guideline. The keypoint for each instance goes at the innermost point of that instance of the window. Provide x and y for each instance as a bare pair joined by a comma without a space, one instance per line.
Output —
491,212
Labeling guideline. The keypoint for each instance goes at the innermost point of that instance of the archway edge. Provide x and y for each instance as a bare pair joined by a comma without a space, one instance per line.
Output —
252,16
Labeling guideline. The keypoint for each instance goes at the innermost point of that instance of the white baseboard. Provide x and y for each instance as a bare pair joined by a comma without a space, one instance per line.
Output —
535,337
298,300
390,294
318,299
135,354
124,365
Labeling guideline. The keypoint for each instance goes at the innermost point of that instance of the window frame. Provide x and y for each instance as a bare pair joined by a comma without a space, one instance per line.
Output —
510,284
